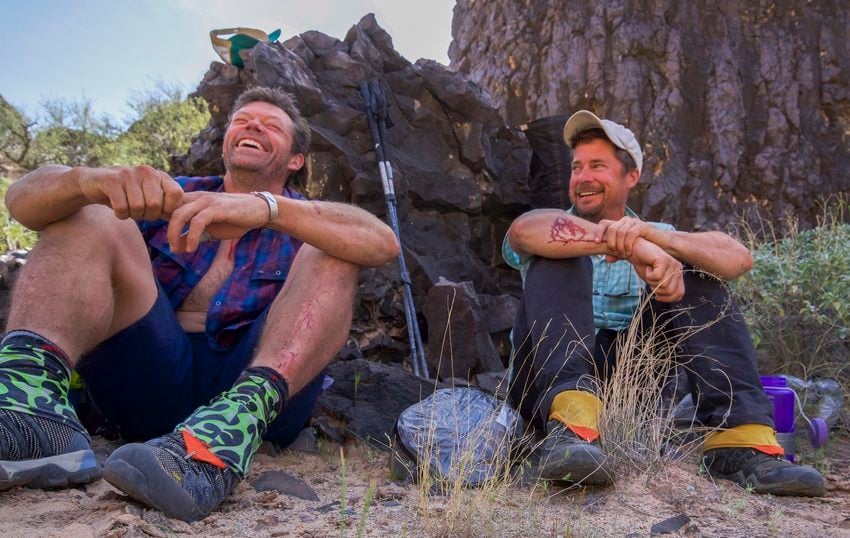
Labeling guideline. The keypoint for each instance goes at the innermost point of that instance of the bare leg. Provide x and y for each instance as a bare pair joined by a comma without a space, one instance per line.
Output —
88,277
309,320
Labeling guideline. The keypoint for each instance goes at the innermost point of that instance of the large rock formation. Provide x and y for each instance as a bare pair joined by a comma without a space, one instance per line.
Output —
739,105
461,175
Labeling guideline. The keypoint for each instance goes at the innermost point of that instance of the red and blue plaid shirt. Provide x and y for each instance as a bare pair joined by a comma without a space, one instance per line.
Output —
262,259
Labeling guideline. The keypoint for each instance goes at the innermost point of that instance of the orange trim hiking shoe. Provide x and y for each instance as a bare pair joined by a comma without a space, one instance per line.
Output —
565,456
162,474
189,472
762,473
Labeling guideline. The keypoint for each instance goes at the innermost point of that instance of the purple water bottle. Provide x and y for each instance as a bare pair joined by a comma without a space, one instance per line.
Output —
782,398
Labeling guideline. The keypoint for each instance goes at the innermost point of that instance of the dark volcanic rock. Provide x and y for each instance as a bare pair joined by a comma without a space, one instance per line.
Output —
740,106
365,400
460,343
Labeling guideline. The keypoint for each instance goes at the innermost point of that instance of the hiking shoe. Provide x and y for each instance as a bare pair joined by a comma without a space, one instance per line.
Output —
761,473
568,457
37,452
161,474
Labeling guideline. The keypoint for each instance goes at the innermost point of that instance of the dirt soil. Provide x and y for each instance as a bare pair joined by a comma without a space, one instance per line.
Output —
675,494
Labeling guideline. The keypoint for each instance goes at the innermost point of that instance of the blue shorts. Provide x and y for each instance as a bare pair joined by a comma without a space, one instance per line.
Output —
149,377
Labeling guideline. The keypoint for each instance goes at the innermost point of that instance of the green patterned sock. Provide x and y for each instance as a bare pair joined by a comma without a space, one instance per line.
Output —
35,379
233,424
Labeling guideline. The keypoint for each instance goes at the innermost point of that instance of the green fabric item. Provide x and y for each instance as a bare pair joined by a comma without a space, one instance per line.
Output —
241,42
36,383
233,424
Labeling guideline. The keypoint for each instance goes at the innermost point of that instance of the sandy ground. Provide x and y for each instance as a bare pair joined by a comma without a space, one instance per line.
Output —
630,508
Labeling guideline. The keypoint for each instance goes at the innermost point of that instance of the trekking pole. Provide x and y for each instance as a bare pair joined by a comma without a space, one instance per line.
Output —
376,114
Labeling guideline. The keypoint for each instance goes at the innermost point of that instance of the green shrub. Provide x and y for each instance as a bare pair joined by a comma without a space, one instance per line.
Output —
797,298
71,132
14,235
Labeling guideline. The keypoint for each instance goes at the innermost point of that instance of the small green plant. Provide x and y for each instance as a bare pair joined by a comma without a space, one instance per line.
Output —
364,515
356,385
343,493
733,507
773,525
370,454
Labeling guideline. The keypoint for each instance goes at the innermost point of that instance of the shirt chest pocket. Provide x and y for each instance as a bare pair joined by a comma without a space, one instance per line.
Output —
616,279
269,273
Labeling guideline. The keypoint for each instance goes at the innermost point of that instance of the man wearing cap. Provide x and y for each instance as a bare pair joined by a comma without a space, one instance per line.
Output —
584,271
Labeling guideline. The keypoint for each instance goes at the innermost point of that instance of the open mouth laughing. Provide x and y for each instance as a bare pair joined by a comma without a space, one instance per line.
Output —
587,194
250,143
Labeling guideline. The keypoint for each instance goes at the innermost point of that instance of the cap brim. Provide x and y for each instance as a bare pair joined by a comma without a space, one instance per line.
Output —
581,121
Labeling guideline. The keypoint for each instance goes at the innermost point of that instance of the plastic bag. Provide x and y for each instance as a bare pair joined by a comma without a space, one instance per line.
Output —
461,434
820,397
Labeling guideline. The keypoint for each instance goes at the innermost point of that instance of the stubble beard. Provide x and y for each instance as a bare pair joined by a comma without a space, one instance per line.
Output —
253,176
594,216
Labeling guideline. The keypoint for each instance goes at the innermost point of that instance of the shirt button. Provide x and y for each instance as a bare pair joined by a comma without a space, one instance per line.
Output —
277,272
218,303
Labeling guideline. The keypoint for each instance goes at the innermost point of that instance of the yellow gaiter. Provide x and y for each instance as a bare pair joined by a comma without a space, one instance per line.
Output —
755,436
579,411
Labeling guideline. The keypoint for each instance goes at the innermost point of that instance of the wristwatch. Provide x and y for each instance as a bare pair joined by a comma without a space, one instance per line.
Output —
270,199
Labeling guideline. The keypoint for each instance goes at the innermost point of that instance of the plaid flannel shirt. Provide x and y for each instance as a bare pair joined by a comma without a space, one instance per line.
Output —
616,287
262,259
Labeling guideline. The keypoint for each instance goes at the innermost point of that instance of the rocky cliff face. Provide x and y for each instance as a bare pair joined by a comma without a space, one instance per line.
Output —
738,105
461,175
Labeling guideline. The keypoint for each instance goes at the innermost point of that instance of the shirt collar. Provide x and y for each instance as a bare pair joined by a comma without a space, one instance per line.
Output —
629,212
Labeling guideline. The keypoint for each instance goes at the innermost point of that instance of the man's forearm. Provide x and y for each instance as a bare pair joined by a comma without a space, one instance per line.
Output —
552,233
45,195
341,230
714,252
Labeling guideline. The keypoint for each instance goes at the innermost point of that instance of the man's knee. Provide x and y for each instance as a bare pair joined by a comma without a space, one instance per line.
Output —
548,271
558,284
703,284
317,265
93,225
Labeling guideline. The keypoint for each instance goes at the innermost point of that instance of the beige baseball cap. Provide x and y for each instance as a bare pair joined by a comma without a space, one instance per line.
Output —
620,136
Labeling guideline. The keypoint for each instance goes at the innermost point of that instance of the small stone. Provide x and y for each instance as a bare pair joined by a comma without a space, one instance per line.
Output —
305,442
670,525
325,508
329,431
285,484
133,510
390,491
269,449
495,383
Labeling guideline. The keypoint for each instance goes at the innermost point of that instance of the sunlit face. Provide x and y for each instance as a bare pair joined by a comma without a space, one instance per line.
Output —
599,187
259,140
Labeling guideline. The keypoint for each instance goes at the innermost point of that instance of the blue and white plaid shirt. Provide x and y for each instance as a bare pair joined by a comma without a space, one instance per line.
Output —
616,287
